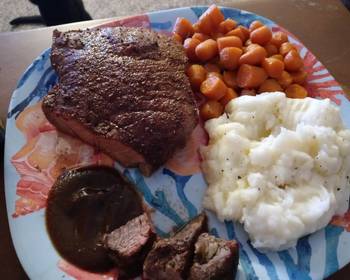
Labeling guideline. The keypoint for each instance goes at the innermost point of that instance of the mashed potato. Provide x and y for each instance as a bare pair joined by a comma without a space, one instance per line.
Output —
280,166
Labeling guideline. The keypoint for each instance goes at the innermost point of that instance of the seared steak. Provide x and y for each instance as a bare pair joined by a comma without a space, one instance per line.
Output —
123,90
215,259
171,258
129,245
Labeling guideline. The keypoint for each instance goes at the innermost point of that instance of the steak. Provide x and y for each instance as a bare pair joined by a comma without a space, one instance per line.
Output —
171,258
129,244
215,259
124,91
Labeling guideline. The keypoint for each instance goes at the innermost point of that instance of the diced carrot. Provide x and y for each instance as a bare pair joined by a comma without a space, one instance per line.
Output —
227,25
229,41
211,109
229,57
270,85
183,27
213,88
196,74
254,55
261,35
177,38
230,94
200,36
248,42
273,67
190,45
296,91
249,76
229,78
207,50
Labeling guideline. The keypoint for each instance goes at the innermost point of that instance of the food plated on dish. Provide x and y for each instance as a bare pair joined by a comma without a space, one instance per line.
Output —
125,92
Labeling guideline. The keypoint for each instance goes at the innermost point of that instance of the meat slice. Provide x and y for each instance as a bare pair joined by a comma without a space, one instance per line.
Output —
215,259
171,258
129,244
123,90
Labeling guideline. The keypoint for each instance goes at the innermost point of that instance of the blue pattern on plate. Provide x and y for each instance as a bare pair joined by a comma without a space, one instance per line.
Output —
332,234
162,25
180,185
170,201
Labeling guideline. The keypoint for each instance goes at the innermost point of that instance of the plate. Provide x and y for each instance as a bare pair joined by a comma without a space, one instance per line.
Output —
36,153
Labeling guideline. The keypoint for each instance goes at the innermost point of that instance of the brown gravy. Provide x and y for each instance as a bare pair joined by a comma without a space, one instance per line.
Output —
83,205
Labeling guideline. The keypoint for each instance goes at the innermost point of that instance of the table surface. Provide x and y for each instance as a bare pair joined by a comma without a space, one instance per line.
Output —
321,25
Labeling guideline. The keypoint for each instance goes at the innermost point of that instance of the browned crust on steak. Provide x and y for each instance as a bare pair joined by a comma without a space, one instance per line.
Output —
122,86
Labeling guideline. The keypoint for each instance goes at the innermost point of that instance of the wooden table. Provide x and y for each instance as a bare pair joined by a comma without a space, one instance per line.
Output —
323,26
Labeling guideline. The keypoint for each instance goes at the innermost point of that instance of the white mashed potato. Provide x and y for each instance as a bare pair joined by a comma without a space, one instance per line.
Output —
280,166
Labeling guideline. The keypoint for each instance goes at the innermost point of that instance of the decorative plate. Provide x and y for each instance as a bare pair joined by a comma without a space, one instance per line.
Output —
36,153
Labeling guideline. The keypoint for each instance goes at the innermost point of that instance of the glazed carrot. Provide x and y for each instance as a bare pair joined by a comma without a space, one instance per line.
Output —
250,92
227,25
271,49
200,36
207,50
195,28
237,32
183,27
190,45
229,57
248,42
216,35
293,61
270,85
299,77
254,55
213,88
277,56
245,32
215,15
229,41
285,79
177,38
249,76
216,74
230,94
229,78
278,38
211,109
296,91
261,35
211,67
273,67
286,48
255,24
196,74
205,24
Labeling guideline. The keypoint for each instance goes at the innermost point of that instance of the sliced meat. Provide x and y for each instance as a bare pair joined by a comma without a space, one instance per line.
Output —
123,90
215,259
171,258
129,244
